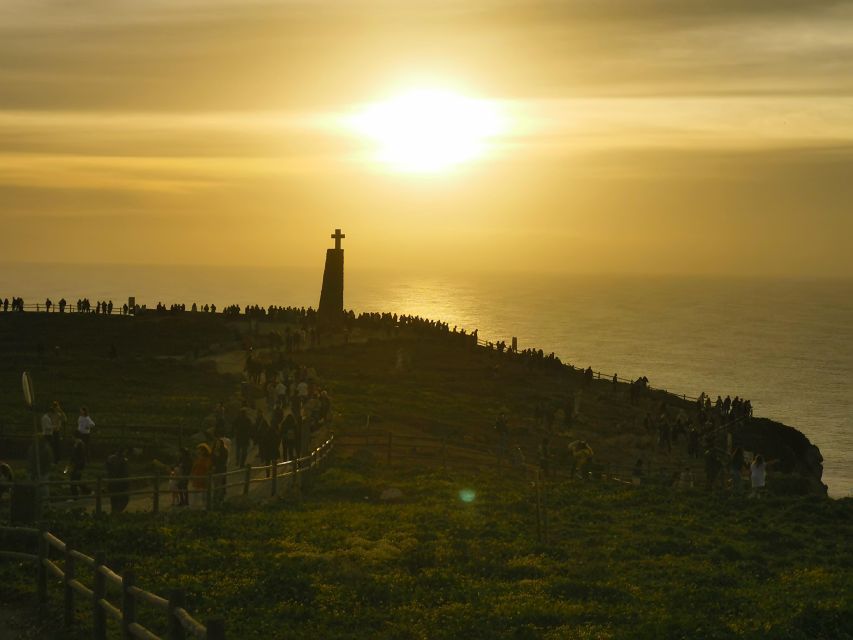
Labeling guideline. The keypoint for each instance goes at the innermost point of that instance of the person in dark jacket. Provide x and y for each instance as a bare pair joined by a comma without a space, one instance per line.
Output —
219,460
117,483
76,466
242,433
185,467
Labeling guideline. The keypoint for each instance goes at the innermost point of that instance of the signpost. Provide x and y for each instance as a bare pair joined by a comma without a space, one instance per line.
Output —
30,401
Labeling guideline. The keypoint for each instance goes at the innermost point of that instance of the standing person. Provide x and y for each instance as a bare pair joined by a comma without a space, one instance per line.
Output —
219,461
736,467
117,484
288,436
76,465
242,432
758,475
712,466
185,468
59,421
220,424
84,425
267,441
40,462
46,425
200,473
581,455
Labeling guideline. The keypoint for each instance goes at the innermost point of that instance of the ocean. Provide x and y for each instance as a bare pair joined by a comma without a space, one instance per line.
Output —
787,345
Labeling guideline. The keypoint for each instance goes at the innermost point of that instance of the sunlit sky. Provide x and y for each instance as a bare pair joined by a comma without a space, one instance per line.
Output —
643,136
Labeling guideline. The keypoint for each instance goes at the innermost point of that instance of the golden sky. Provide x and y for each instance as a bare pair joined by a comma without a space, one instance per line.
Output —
645,136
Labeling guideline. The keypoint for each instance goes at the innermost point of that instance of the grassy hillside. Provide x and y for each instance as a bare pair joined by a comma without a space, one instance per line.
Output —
622,562
151,381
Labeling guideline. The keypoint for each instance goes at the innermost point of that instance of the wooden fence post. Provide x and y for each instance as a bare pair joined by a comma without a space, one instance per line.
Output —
99,590
69,592
389,448
247,480
274,487
444,453
545,512
155,498
215,629
177,599
42,569
128,604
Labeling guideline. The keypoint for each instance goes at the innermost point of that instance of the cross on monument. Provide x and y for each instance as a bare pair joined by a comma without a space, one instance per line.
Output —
338,236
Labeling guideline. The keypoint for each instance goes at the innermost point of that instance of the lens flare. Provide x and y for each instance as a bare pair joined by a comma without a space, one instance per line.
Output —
467,495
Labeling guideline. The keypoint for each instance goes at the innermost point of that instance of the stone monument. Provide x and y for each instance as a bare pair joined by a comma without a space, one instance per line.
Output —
332,295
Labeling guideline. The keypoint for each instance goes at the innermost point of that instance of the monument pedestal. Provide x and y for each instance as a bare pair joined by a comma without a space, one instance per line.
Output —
331,309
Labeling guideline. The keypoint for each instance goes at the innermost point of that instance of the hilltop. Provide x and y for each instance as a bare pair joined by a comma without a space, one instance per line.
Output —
456,551
164,373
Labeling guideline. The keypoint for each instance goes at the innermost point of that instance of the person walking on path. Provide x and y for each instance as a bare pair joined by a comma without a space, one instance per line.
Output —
242,433
84,426
117,483
185,468
40,463
219,461
200,473
736,467
76,465
59,421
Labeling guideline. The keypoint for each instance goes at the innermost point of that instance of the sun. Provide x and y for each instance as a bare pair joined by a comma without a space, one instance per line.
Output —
429,130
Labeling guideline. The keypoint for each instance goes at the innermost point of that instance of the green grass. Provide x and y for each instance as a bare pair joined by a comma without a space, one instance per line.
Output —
622,562
153,382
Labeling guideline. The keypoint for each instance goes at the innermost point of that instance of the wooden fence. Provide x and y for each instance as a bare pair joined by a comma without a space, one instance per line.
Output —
216,486
178,622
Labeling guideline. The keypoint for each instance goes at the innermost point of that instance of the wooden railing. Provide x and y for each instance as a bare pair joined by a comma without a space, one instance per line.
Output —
179,623
153,485
177,620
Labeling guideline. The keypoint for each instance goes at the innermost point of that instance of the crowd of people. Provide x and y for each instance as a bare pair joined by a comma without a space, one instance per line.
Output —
293,409
56,441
